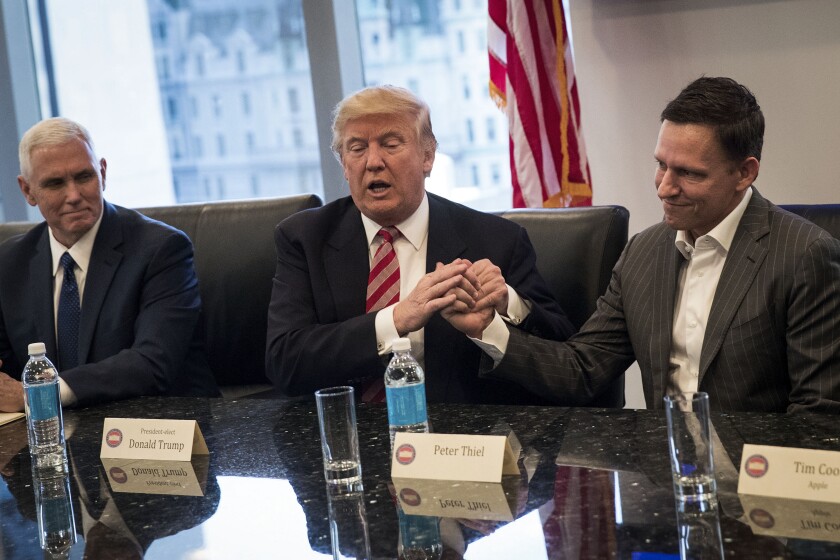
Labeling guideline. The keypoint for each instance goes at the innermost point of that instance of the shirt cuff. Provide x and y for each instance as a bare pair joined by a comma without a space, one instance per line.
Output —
518,308
386,331
494,339
68,397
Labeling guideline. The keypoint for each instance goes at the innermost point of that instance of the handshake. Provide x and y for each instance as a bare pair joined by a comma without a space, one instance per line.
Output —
465,293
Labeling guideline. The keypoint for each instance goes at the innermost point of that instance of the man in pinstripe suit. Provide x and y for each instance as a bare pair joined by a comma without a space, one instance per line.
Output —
729,294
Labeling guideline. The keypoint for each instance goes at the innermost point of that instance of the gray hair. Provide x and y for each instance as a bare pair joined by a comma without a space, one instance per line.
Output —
50,132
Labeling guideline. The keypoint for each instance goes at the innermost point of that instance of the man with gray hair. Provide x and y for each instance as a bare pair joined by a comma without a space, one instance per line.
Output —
392,260
112,294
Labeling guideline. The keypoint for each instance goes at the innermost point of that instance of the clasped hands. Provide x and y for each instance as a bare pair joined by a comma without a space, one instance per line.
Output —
466,294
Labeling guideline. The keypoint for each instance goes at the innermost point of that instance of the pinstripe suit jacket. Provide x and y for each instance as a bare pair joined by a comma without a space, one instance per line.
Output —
772,342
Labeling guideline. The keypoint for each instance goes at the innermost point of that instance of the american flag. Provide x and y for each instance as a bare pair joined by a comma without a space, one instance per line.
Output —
532,79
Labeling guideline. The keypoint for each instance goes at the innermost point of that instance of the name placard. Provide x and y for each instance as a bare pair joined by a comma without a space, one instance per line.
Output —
147,438
452,457
781,517
462,500
6,417
787,472
180,478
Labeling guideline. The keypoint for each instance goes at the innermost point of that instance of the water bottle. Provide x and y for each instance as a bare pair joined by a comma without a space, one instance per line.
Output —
56,524
419,537
405,391
43,414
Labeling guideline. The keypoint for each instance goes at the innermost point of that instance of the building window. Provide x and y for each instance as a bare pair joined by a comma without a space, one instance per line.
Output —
172,108
217,106
475,177
294,105
176,148
255,185
220,187
465,84
220,145
491,129
470,132
297,138
495,173
240,62
461,42
197,147
194,107
246,103
250,142
199,64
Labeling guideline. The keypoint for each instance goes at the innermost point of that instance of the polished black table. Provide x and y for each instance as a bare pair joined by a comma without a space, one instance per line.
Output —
595,483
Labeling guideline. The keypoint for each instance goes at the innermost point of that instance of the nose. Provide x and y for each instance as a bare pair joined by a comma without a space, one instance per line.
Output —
72,192
665,185
374,157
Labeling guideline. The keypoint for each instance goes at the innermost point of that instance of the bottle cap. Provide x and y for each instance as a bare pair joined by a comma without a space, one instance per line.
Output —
400,344
37,348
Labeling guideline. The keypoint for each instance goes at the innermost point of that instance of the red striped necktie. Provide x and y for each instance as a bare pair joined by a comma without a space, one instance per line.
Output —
383,290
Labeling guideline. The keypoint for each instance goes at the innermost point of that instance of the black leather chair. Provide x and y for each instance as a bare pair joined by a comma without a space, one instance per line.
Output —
235,258
827,216
577,249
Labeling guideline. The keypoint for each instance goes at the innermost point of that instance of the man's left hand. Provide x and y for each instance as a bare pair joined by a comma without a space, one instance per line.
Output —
494,291
11,394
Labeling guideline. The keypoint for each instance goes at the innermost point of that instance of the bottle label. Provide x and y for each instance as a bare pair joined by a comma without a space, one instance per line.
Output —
43,401
406,405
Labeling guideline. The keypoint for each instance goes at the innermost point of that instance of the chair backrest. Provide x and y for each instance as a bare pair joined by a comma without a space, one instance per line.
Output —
235,258
827,216
577,249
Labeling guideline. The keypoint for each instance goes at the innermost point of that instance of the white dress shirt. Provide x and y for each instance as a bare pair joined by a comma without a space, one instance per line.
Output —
698,279
80,251
411,248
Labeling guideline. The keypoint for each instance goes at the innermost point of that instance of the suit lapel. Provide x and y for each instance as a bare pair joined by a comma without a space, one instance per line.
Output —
665,270
41,281
445,244
104,261
347,266
747,253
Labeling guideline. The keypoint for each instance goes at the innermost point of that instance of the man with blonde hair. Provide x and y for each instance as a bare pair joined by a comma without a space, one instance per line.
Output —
112,294
392,260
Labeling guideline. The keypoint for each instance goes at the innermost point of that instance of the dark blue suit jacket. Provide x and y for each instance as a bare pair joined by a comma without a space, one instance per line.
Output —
319,334
139,330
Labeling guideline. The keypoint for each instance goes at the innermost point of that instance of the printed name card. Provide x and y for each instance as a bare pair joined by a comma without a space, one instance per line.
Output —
180,478
162,440
452,457
787,472
461,500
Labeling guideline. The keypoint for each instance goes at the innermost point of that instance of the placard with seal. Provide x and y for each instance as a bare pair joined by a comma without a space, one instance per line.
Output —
163,440
489,501
788,472
452,457
783,517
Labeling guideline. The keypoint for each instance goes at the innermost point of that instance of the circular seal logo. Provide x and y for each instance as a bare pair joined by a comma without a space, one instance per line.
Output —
405,454
118,475
410,497
757,466
762,518
114,437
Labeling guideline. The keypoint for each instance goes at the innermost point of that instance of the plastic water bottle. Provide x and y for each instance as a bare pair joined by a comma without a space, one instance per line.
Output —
405,391
43,414
419,537
56,524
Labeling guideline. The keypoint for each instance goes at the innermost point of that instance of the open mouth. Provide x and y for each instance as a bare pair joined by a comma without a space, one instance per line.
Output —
378,187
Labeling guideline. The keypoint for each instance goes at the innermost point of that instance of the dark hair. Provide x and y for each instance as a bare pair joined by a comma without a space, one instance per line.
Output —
725,105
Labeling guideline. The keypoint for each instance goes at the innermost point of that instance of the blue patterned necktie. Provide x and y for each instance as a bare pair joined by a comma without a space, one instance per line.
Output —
69,316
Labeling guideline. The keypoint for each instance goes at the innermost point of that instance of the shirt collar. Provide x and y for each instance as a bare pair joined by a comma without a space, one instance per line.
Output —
722,234
415,228
81,249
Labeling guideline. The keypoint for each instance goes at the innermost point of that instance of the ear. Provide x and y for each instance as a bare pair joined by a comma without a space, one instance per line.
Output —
748,171
428,161
103,166
26,190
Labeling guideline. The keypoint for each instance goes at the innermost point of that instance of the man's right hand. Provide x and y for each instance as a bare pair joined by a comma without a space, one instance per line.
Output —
435,291
11,394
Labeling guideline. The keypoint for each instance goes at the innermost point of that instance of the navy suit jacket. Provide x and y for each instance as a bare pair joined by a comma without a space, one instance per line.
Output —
320,336
772,340
139,330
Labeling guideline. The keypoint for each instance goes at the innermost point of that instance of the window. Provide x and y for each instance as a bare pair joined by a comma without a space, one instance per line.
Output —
217,106
461,42
246,103
470,133
294,106
250,143
475,178
220,145
240,62
491,129
172,108
465,81
197,147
